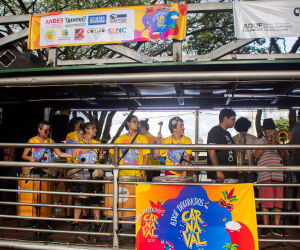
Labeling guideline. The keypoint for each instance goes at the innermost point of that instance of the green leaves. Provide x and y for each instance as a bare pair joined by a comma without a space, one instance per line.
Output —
230,246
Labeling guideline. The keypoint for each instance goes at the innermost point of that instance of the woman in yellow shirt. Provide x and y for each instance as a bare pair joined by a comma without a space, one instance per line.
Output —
133,156
87,156
175,157
42,154
75,136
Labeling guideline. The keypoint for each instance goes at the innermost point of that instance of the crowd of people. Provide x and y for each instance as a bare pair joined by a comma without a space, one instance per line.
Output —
138,133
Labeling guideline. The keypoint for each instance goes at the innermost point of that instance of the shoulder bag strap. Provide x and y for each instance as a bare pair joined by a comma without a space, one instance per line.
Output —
126,151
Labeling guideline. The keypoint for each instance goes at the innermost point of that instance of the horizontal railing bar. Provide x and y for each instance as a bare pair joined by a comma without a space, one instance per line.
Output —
56,179
126,235
151,167
277,199
53,231
279,240
152,146
135,182
278,226
21,244
52,205
61,193
280,213
51,218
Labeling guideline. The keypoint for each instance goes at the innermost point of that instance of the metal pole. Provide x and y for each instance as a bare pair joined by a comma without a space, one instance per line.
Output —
151,78
115,200
47,114
196,133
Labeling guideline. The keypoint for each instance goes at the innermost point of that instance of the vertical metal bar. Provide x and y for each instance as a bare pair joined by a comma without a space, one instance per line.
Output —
52,57
115,200
196,133
47,114
177,50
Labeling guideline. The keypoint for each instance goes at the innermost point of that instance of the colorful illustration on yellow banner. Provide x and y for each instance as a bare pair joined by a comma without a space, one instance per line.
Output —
160,22
193,217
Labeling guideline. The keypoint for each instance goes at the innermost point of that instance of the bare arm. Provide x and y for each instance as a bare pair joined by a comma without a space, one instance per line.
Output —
145,162
25,155
61,154
112,158
214,161
156,152
258,153
74,155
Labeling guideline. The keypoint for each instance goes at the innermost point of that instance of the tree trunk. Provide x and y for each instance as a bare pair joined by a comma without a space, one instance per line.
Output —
100,124
259,130
292,118
106,133
121,127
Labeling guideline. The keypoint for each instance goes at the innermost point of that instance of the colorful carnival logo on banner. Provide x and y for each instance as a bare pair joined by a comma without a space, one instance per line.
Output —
107,25
196,217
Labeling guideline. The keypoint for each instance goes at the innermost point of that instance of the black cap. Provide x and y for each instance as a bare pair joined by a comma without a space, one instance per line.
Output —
268,124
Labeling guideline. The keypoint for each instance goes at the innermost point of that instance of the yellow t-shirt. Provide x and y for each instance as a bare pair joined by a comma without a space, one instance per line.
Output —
41,154
152,140
90,156
173,156
133,156
71,138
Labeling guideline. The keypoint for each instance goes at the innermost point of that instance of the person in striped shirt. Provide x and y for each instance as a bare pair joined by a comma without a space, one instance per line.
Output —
272,158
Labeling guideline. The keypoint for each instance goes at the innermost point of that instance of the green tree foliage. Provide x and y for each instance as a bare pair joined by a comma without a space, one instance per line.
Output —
205,31
282,123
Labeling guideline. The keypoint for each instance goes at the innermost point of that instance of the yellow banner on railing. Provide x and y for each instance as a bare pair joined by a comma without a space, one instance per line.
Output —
196,217
107,25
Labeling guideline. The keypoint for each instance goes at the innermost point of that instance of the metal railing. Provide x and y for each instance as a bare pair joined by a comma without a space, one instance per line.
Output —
115,168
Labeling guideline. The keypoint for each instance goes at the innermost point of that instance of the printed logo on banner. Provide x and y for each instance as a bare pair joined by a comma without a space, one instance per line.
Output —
50,36
54,21
118,18
97,20
297,11
64,32
75,21
96,33
115,31
79,34
96,30
252,27
64,35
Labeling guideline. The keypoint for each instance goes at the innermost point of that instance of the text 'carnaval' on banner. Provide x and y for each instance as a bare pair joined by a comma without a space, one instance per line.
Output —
196,217
107,25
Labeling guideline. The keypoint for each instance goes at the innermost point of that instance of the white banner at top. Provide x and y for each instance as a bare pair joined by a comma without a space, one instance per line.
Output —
277,18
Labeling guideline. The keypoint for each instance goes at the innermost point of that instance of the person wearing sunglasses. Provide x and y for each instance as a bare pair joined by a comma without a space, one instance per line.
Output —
42,154
132,156
86,156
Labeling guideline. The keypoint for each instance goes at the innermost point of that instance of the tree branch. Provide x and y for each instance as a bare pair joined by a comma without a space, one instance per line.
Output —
121,127
296,46
106,133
